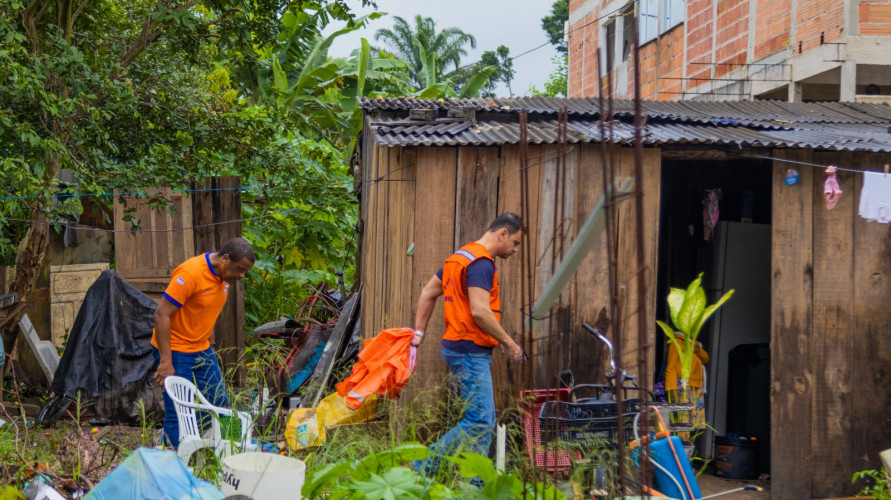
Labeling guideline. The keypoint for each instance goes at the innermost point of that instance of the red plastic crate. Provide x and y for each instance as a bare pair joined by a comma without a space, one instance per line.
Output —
530,403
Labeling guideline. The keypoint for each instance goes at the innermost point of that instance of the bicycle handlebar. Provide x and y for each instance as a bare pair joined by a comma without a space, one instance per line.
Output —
612,361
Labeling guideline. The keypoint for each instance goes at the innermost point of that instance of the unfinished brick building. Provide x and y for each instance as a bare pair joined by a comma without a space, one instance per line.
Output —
795,50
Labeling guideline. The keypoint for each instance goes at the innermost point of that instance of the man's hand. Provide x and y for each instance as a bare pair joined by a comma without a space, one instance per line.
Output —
514,352
417,339
164,370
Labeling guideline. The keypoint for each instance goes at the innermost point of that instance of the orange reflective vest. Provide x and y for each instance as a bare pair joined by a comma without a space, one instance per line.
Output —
384,367
460,324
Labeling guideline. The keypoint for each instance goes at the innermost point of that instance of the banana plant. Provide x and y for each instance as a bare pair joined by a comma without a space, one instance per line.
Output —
689,312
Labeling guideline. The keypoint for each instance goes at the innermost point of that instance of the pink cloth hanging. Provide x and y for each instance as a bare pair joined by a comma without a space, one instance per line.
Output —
709,213
831,189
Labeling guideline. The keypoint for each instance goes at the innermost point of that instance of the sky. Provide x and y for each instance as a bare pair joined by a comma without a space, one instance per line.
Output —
513,23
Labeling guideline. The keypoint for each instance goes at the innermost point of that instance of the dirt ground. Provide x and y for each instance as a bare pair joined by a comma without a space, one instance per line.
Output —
709,484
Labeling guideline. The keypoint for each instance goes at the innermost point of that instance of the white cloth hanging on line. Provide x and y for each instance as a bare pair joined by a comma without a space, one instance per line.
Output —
875,197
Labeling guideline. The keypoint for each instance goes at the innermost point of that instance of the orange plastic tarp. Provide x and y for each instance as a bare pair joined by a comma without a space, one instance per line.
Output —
385,364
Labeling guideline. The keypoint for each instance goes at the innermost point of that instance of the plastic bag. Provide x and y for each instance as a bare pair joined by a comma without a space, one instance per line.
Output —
302,430
306,426
150,474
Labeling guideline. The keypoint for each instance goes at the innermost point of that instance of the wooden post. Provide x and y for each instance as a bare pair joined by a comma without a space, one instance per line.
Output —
216,216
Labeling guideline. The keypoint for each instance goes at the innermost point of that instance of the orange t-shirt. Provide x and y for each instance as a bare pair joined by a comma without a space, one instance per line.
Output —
200,296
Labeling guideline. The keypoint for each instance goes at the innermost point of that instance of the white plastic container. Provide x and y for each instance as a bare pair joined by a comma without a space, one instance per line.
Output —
263,476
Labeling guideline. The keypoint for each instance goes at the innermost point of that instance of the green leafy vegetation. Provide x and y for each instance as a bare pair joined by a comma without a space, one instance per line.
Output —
875,483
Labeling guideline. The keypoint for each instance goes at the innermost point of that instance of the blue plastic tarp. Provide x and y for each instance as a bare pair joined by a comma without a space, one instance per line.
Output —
149,474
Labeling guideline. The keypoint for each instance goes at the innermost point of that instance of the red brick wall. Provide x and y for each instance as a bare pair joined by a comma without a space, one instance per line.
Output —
732,37
773,26
671,63
816,17
875,17
700,24
582,77
717,40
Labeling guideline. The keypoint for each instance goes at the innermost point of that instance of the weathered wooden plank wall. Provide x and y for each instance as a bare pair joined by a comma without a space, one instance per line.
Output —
832,333
792,376
871,353
441,198
434,234
830,381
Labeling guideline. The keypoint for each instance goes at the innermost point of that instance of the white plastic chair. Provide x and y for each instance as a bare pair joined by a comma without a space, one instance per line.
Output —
187,400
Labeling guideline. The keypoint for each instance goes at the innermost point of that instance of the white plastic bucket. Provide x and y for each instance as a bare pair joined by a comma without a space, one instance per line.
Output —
263,476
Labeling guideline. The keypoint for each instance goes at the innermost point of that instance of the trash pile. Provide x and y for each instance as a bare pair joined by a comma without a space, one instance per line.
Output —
107,365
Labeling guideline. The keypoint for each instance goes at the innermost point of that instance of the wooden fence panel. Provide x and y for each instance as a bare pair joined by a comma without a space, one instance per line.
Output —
792,376
165,240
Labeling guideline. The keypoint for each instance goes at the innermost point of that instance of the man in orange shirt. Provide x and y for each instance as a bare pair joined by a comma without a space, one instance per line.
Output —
472,308
182,341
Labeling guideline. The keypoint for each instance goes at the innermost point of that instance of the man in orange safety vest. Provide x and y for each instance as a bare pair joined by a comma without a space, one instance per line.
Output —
468,282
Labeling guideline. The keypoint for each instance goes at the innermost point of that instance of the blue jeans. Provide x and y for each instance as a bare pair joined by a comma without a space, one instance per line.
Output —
472,375
203,370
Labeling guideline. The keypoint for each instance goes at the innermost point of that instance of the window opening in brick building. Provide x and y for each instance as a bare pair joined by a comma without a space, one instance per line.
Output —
627,33
610,54
649,20
672,14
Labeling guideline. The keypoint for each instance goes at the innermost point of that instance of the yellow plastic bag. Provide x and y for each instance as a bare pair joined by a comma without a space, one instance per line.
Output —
302,430
306,426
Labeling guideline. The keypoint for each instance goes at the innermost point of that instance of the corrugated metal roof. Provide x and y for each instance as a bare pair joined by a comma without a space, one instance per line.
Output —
847,137
830,126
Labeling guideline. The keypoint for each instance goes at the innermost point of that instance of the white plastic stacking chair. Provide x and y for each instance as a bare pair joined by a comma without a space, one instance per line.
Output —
187,401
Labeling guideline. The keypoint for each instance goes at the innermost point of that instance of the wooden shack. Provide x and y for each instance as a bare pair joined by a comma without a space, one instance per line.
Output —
799,355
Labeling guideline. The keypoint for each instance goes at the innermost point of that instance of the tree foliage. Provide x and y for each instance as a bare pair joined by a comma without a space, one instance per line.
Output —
427,50
555,86
553,24
141,93
504,69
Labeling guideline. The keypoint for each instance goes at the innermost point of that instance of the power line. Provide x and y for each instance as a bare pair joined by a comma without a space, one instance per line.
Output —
807,164
128,193
571,32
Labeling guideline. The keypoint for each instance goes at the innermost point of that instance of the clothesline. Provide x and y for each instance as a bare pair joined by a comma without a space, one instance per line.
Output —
817,165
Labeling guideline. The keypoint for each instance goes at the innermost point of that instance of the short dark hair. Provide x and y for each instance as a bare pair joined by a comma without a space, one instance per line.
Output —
237,249
508,220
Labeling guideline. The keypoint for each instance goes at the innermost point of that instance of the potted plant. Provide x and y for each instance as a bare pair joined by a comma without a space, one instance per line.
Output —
689,311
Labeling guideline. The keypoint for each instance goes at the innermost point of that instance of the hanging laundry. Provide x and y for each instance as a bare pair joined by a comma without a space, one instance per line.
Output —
710,212
385,364
831,190
875,197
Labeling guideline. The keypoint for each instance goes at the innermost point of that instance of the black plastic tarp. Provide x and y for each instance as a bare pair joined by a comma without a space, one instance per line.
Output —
108,357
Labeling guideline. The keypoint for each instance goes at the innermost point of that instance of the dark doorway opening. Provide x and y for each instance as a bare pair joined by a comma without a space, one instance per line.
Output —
734,254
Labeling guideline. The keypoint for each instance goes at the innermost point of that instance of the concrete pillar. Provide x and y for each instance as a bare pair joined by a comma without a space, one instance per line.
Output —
848,81
617,45
795,90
